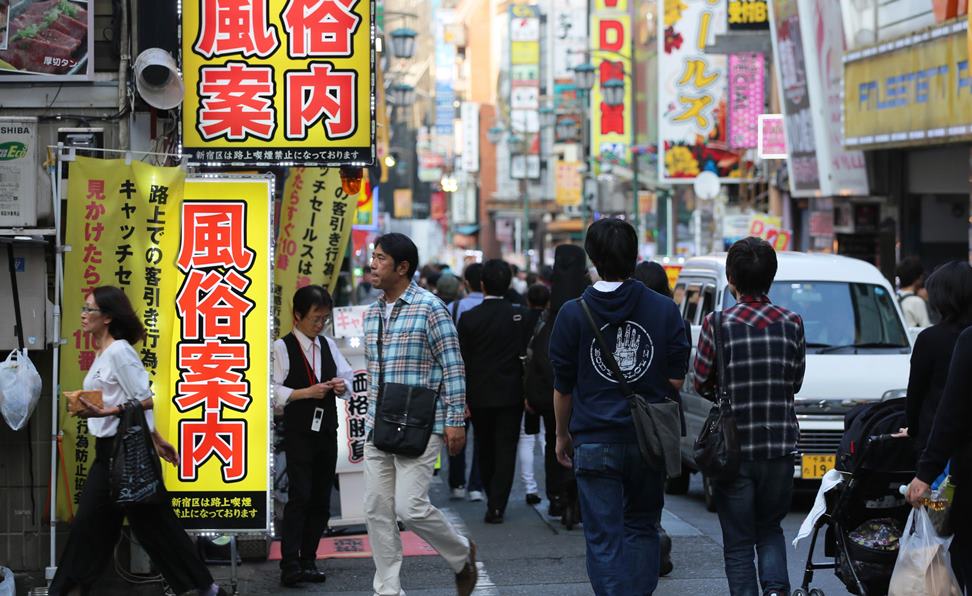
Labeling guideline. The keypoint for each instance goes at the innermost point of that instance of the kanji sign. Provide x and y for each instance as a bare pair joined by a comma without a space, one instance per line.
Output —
192,257
747,15
611,133
278,81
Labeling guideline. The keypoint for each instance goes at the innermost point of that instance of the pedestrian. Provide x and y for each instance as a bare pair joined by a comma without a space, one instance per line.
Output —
309,371
621,496
949,441
419,347
538,299
950,294
366,293
117,372
447,288
459,488
911,276
492,338
764,355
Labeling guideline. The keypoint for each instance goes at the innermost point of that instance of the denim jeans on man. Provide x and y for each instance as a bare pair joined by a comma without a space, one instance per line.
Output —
751,507
621,501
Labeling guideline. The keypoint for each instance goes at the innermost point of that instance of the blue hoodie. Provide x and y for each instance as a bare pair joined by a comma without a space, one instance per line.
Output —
647,334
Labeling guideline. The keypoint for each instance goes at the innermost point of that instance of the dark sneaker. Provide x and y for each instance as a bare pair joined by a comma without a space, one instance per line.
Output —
291,576
310,573
493,516
466,579
533,499
556,508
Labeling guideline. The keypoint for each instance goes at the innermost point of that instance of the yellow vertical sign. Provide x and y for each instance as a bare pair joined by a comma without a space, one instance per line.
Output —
611,133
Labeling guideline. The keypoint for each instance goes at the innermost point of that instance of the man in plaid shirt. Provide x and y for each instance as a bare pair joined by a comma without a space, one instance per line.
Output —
764,355
421,348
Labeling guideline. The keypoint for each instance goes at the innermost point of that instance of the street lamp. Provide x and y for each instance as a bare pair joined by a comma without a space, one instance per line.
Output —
566,129
495,134
612,91
403,42
584,76
548,117
517,144
401,95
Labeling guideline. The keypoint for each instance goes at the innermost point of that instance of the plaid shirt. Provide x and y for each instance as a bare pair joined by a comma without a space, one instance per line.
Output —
421,348
765,356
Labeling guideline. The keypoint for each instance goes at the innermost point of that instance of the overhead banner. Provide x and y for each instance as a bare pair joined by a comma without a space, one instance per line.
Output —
278,82
912,90
693,94
611,134
46,40
316,216
193,256
746,83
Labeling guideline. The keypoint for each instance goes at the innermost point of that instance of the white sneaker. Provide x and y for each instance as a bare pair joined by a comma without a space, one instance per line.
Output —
457,494
475,495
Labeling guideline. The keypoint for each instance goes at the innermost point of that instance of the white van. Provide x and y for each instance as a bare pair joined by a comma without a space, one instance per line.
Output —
858,349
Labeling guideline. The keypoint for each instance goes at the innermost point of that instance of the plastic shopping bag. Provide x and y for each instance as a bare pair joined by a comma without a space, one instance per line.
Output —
20,388
923,565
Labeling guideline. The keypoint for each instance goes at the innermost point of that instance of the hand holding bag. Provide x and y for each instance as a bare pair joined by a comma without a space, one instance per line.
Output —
657,424
717,448
404,414
135,469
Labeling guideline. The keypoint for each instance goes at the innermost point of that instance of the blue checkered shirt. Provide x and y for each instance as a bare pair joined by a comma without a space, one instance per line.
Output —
421,348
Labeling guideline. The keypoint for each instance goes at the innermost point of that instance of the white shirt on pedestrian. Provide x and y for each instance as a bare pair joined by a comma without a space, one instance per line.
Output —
120,376
312,350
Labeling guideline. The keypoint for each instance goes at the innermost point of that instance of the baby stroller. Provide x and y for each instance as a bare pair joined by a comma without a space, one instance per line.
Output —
865,512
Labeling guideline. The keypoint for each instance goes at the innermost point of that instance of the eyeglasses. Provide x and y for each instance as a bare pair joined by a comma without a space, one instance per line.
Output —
320,320
86,310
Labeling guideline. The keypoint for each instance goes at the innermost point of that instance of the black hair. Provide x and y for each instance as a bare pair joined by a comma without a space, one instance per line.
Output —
569,277
308,297
497,276
546,272
474,276
751,266
538,296
909,271
125,324
612,245
950,291
400,248
653,276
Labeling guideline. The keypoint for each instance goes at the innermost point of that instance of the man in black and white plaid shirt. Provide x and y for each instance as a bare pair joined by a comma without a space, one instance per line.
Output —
764,355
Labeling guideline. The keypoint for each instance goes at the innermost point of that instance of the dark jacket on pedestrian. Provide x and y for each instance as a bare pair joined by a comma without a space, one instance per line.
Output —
646,333
538,375
492,338
929,371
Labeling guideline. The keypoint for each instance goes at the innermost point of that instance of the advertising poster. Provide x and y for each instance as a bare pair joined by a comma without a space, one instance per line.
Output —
693,92
18,172
611,134
46,40
316,216
284,82
194,258
525,87
568,183
746,83
772,137
569,37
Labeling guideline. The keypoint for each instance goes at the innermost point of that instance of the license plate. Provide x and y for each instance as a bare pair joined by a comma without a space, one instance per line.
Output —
815,466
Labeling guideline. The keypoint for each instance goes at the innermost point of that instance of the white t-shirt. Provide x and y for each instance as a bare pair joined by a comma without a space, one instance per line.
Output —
311,349
607,286
914,309
119,374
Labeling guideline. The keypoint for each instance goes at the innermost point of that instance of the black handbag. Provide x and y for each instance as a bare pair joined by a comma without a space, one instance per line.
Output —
404,414
657,424
134,468
717,447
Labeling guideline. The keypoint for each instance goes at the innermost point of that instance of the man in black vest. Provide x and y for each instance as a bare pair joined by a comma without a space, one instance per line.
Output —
491,337
308,373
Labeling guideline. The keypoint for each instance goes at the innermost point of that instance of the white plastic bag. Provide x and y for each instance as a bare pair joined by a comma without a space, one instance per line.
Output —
7,587
923,565
20,388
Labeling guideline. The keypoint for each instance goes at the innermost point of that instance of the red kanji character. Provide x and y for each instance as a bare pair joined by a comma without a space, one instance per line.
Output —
213,395
612,119
322,92
283,262
223,310
96,190
320,27
212,360
93,211
200,440
236,101
85,359
214,235
235,26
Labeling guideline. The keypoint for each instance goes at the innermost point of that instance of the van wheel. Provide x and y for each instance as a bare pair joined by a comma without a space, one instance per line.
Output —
680,485
708,493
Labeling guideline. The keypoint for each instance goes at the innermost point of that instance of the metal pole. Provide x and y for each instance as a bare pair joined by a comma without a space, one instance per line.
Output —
670,222
633,64
526,221
588,174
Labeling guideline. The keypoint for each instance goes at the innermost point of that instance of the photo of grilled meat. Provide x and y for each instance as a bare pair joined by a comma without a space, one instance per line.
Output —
48,37
4,17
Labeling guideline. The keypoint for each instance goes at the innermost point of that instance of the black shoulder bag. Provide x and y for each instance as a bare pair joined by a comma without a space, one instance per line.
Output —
135,471
404,414
717,448
657,424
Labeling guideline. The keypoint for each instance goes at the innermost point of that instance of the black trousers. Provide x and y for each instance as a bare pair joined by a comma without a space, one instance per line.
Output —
311,459
497,431
457,468
96,529
553,472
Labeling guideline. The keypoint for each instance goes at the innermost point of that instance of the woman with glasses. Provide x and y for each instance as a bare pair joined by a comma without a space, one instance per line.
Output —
308,373
118,373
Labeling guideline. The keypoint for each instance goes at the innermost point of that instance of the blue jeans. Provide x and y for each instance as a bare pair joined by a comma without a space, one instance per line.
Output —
751,507
621,501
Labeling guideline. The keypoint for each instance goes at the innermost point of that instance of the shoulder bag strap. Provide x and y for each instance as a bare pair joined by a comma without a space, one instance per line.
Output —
723,390
381,363
606,354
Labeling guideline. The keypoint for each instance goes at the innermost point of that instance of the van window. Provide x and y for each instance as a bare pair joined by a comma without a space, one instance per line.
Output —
678,295
840,314
708,301
692,297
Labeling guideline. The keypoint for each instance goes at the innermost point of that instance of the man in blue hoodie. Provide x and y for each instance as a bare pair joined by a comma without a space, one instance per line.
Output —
621,497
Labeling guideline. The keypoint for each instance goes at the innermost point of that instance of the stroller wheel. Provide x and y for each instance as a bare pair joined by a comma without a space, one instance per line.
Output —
799,592
817,592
